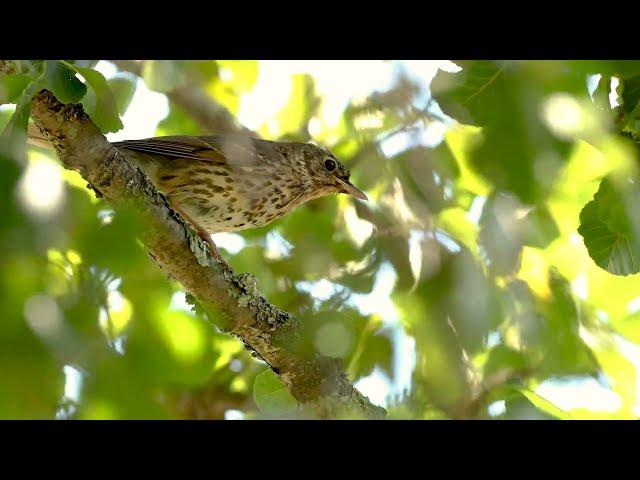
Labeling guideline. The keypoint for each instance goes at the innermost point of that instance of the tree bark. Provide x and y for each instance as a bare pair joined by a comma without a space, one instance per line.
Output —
318,383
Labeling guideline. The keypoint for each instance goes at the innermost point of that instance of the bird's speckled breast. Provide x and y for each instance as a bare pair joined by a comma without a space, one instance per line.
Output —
222,198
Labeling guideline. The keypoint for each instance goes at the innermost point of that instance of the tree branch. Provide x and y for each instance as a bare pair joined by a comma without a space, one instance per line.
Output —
318,383
209,114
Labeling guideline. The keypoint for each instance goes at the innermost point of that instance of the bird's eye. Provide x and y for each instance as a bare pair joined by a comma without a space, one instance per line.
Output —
329,164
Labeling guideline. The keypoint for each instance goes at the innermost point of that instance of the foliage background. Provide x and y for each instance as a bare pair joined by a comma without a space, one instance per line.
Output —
492,274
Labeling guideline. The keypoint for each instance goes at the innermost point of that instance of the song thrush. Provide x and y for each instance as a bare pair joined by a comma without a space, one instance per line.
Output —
226,183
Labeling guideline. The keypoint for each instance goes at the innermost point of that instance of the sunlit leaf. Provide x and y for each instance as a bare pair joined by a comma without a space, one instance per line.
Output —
609,228
242,74
620,372
300,107
630,327
271,395
543,404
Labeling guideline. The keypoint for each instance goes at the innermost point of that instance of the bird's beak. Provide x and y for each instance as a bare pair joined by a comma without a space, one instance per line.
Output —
347,187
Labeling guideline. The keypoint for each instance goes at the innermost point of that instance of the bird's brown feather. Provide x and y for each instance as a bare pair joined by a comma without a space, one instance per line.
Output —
230,183
194,148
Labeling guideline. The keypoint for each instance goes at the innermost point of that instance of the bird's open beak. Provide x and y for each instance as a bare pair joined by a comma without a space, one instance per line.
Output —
347,187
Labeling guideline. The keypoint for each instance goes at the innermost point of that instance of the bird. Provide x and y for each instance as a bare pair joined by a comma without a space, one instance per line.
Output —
231,182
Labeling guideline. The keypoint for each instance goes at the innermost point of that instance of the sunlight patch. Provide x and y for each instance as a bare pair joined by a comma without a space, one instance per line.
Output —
375,386
41,188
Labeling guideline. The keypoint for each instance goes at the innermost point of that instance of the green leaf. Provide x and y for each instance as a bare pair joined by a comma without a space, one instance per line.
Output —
540,227
424,174
502,233
517,152
123,87
621,68
5,116
502,357
376,350
13,140
12,86
542,403
62,81
243,74
601,94
178,122
302,105
621,373
629,91
271,395
470,95
610,231
163,75
32,68
564,351
101,104
630,327
14,136
85,63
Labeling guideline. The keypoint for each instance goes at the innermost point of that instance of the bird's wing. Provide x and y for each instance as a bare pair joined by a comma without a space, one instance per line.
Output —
207,149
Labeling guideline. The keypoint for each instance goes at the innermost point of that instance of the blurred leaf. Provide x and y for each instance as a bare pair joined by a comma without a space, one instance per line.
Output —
501,233
62,81
621,373
498,96
163,75
630,327
85,63
565,352
507,225
375,350
391,237
363,277
601,94
470,95
271,395
32,68
502,357
123,88
462,294
178,122
12,86
203,70
243,74
5,116
424,174
629,91
301,106
543,404
101,104
14,136
611,235
540,227
622,68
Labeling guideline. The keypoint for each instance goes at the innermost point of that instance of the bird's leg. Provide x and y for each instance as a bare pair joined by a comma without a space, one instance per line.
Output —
202,233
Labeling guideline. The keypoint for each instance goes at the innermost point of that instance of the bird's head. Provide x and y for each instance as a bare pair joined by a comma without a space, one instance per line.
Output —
320,170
